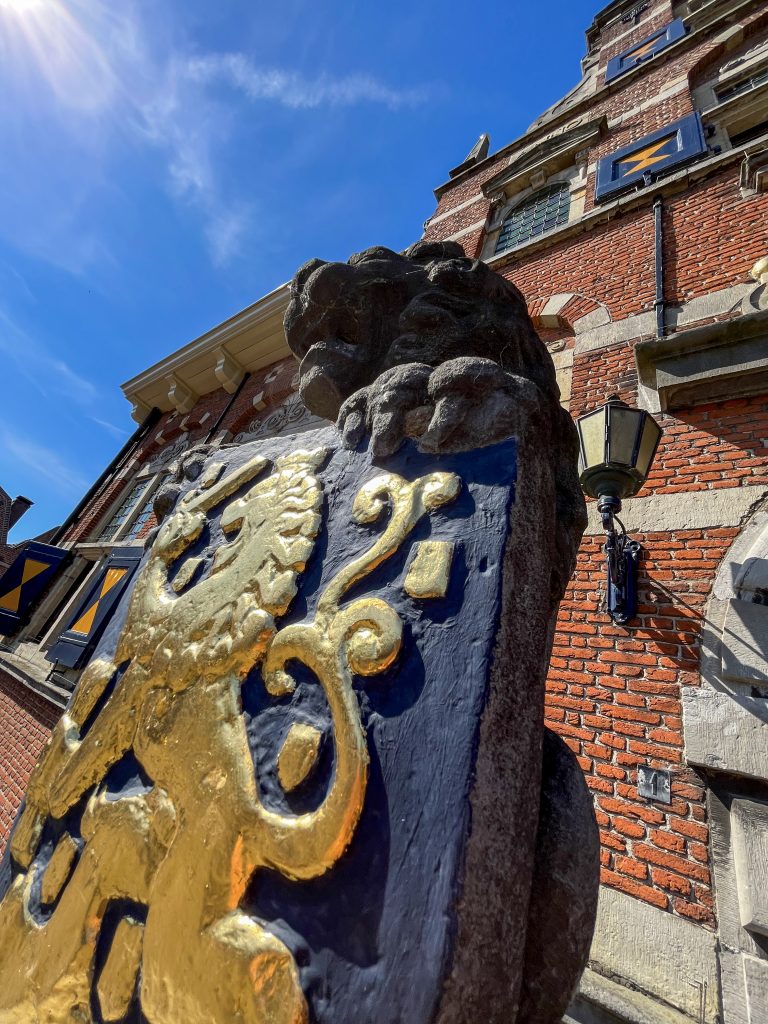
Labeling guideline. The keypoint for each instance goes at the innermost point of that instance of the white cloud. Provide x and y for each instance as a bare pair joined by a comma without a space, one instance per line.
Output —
297,91
104,87
44,461
225,231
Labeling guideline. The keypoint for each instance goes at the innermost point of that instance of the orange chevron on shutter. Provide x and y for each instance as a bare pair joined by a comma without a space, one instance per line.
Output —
10,602
645,158
641,50
84,624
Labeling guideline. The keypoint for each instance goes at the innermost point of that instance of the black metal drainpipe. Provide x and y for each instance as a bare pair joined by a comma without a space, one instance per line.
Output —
658,305
114,466
232,399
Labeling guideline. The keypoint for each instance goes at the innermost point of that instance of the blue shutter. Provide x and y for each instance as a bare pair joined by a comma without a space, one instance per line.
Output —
643,161
645,49
75,644
25,580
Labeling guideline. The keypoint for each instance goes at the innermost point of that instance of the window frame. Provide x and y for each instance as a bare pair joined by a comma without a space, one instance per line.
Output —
656,41
691,145
557,185
144,488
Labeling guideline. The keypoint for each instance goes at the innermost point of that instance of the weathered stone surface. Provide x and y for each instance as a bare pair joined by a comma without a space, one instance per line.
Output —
436,347
689,963
431,345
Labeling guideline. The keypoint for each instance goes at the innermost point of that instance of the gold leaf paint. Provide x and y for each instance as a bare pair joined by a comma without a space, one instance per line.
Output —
188,848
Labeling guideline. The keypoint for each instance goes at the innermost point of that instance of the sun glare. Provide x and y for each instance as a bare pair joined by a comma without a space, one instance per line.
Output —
54,42
22,6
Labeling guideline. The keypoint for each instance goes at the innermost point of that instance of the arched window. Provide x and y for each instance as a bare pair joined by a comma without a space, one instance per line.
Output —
540,212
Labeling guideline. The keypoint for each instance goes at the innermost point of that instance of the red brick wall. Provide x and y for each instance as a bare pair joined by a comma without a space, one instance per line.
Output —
614,696
614,693
26,721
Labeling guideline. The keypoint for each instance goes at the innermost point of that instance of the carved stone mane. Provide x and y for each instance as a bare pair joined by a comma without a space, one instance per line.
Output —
431,345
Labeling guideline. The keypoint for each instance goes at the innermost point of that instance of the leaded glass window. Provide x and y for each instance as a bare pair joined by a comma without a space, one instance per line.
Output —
140,521
120,517
540,212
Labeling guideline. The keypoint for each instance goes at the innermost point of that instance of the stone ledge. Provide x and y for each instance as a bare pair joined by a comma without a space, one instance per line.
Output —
602,1001
726,732
728,359
43,688
670,958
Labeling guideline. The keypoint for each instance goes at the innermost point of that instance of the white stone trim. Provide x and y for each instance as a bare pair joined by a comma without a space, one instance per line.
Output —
691,510
663,955
712,304
612,333
466,231
549,315
454,210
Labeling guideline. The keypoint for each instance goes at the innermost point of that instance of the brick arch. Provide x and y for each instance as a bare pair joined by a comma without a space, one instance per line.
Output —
568,313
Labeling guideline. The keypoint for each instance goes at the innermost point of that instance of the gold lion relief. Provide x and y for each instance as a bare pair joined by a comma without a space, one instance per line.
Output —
184,851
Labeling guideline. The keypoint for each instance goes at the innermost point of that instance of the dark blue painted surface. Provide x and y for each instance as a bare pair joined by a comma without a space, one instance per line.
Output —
373,936
74,649
686,143
55,559
660,40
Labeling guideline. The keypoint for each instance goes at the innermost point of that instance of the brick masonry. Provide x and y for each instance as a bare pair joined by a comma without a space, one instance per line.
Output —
26,721
614,693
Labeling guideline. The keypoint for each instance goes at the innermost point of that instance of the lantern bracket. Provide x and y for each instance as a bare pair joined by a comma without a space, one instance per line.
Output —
622,556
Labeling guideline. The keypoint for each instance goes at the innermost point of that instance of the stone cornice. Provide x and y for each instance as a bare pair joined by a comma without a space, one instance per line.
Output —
550,151
727,359
246,342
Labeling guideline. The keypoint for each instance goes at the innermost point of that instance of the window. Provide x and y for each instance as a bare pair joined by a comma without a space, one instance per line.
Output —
745,85
141,519
120,517
645,49
753,132
540,212
640,163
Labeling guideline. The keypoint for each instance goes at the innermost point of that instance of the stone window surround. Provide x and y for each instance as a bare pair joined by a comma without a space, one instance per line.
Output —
728,359
737,113
575,177
552,201
705,92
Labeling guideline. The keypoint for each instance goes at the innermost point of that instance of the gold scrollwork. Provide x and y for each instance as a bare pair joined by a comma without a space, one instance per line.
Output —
185,851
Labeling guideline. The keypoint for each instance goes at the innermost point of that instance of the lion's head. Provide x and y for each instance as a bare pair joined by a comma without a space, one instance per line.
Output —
367,332
349,322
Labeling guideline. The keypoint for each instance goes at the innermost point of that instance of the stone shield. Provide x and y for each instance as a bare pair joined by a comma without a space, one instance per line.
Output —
300,779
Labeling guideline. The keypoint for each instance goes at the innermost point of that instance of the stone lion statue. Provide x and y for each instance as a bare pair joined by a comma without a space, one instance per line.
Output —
433,346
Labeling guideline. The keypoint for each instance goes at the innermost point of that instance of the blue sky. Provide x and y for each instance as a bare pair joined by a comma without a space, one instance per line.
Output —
164,164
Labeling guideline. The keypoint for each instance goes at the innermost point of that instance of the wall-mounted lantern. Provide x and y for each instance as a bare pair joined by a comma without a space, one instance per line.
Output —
617,445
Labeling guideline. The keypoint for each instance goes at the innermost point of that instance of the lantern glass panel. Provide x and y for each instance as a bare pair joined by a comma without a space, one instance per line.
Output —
622,434
592,431
648,442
